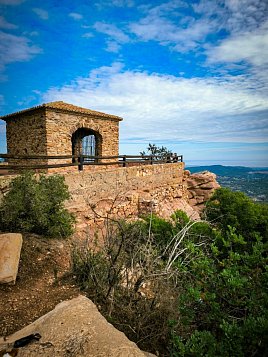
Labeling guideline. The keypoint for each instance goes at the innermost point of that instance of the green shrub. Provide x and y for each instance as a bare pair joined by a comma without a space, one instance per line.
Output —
228,208
161,229
112,276
207,283
36,206
224,303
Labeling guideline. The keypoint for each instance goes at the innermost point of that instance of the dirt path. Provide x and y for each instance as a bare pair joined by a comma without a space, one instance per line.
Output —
42,283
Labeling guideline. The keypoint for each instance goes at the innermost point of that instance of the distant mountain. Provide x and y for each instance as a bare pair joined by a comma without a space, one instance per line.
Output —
252,181
235,171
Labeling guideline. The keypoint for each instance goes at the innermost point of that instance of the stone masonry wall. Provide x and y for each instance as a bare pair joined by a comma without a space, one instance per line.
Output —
127,193
131,191
26,135
61,125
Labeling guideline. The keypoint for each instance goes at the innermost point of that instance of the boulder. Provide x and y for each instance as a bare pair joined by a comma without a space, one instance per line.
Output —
200,188
10,247
205,179
74,328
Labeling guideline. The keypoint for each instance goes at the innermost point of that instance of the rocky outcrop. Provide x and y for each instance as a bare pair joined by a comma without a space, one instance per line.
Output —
10,247
200,187
74,328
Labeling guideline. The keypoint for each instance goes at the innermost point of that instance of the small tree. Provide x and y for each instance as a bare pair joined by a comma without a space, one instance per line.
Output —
154,150
36,206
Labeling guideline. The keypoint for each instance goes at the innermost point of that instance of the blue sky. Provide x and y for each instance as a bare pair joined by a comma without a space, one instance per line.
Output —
189,75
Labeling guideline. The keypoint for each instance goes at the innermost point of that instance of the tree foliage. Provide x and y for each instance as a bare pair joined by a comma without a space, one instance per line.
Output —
155,150
235,209
207,280
224,305
33,205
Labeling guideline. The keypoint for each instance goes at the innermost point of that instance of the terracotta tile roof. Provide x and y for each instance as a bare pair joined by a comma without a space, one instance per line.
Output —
63,107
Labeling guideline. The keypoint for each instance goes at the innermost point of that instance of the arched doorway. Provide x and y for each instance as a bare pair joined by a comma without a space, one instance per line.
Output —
86,142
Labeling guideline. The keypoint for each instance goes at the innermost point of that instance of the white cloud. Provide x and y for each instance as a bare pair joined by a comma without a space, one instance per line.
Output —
249,46
88,35
31,33
112,31
43,14
245,15
249,49
114,3
76,16
160,107
168,25
123,3
235,16
6,25
116,37
15,49
112,46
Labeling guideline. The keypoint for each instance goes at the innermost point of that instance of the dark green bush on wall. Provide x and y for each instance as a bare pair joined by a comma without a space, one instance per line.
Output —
36,206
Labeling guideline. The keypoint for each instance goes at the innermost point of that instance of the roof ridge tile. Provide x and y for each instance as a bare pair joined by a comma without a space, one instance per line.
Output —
60,105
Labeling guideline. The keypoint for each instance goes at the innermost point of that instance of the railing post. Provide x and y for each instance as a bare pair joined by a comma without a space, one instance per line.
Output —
181,158
81,162
151,160
124,160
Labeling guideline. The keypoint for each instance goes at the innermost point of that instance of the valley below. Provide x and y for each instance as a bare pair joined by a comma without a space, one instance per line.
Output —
252,181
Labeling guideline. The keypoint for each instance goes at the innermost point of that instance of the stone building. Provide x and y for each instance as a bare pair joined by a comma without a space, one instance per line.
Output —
59,128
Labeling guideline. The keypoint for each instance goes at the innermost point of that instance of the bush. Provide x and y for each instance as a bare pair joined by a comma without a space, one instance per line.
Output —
227,208
133,277
207,284
126,279
224,303
36,206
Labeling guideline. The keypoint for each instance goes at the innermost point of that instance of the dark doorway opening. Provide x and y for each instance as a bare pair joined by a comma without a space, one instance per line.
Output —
86,142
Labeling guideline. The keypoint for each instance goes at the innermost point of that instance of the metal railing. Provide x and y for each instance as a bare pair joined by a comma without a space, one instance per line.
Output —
82,160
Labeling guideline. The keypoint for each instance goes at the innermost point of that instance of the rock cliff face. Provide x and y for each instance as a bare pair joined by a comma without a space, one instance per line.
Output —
73,328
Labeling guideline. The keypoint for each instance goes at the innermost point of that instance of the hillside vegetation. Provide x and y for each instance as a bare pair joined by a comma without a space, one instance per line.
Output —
184,288
176,287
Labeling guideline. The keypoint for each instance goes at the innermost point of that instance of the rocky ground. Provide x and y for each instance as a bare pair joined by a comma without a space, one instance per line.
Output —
43,281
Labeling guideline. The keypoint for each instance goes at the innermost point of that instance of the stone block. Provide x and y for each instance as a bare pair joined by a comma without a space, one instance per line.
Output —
10,247
74,328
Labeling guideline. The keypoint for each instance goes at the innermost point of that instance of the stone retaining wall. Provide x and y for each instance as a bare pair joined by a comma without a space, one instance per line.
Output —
124,192
132,191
